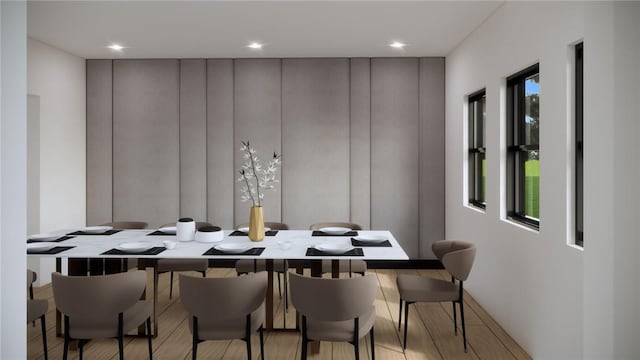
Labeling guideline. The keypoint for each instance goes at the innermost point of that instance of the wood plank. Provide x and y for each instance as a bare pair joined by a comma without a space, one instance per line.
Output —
485,344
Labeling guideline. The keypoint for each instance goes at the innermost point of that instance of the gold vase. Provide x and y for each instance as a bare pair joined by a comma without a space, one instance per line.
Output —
256,224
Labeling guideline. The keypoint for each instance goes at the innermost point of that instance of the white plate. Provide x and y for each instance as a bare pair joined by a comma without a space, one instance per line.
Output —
374,239
134,247
245,229
41,246
334,248
44,237
233,248
168,230
335,230
96,229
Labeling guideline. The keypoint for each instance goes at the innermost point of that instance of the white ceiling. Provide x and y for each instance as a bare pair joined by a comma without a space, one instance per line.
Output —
222,29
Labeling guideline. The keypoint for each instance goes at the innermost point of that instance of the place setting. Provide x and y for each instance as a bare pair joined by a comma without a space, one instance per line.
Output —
230,248
244,231
46,248
334,249
370,241
334,231
137,248
96,230
48,237
164,231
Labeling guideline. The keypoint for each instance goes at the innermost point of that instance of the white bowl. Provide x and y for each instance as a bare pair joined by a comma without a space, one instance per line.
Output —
41,246
168,230
134,247
334,248
232,248
335,230
285,244
169,244
245,229
209,236
373,239
43,237
97,229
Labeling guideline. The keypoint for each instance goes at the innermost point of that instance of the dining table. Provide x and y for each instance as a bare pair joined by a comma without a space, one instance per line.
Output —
297,246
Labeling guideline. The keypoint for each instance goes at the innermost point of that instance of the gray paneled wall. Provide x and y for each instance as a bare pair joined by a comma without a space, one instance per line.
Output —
362,141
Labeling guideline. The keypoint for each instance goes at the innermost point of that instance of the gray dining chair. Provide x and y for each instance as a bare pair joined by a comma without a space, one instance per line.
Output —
105,306
176,265
335,309
344,266
225,308
457,258
127,225
280,266
36,309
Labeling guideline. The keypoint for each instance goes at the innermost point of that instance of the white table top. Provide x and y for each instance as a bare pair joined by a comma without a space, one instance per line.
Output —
92,246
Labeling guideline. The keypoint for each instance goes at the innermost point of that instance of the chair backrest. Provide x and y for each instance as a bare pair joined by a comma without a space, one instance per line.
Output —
97,297
271,225
318,226
199,224
31,277
223,298
333,299
456,256
127,225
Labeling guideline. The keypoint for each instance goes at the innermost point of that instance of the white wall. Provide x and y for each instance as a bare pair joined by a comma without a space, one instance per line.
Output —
13,178
59,79
558,302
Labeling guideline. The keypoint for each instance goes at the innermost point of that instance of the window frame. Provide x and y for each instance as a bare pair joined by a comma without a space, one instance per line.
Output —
517,147
476,147
579,127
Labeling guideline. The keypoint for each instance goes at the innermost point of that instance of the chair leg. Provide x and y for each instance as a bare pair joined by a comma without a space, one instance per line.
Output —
279,287
406,322
33,323
373,347
286,291
171,286
44,337
455,320
80,349
149,336
356,338
261,330
400,315
121,335
303,353
248,337
194,350
65,352
464,332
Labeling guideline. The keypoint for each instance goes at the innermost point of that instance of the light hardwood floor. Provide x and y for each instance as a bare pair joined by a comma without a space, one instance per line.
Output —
431,333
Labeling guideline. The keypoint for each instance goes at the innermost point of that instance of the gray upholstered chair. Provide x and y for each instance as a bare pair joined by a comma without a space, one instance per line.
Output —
127,225
225,308
345,266
36,309
457,258
106,306
280,266
335,309
173,265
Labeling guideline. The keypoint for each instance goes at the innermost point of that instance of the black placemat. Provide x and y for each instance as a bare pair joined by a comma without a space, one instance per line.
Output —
153,251
160,233
356,242
316,252
320,233
66,237
52,251
266,233
253,251
109,232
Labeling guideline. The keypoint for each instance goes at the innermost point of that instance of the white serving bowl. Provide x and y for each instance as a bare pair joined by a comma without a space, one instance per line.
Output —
334,230
41,246
334,248
209,234
232,248
134,247
373,239
168,230
97,229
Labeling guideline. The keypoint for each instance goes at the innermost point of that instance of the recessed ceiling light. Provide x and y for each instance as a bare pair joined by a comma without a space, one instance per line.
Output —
397,45
116,47
255,45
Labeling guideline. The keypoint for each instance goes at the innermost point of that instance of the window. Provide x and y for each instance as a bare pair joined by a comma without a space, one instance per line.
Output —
523,146
477,159
578,145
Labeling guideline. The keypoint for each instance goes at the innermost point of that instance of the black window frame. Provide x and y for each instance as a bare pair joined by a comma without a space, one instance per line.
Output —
477,150
517,149
579,112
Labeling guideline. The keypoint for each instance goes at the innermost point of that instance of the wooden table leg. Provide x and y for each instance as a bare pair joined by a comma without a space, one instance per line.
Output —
335,269
142,265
